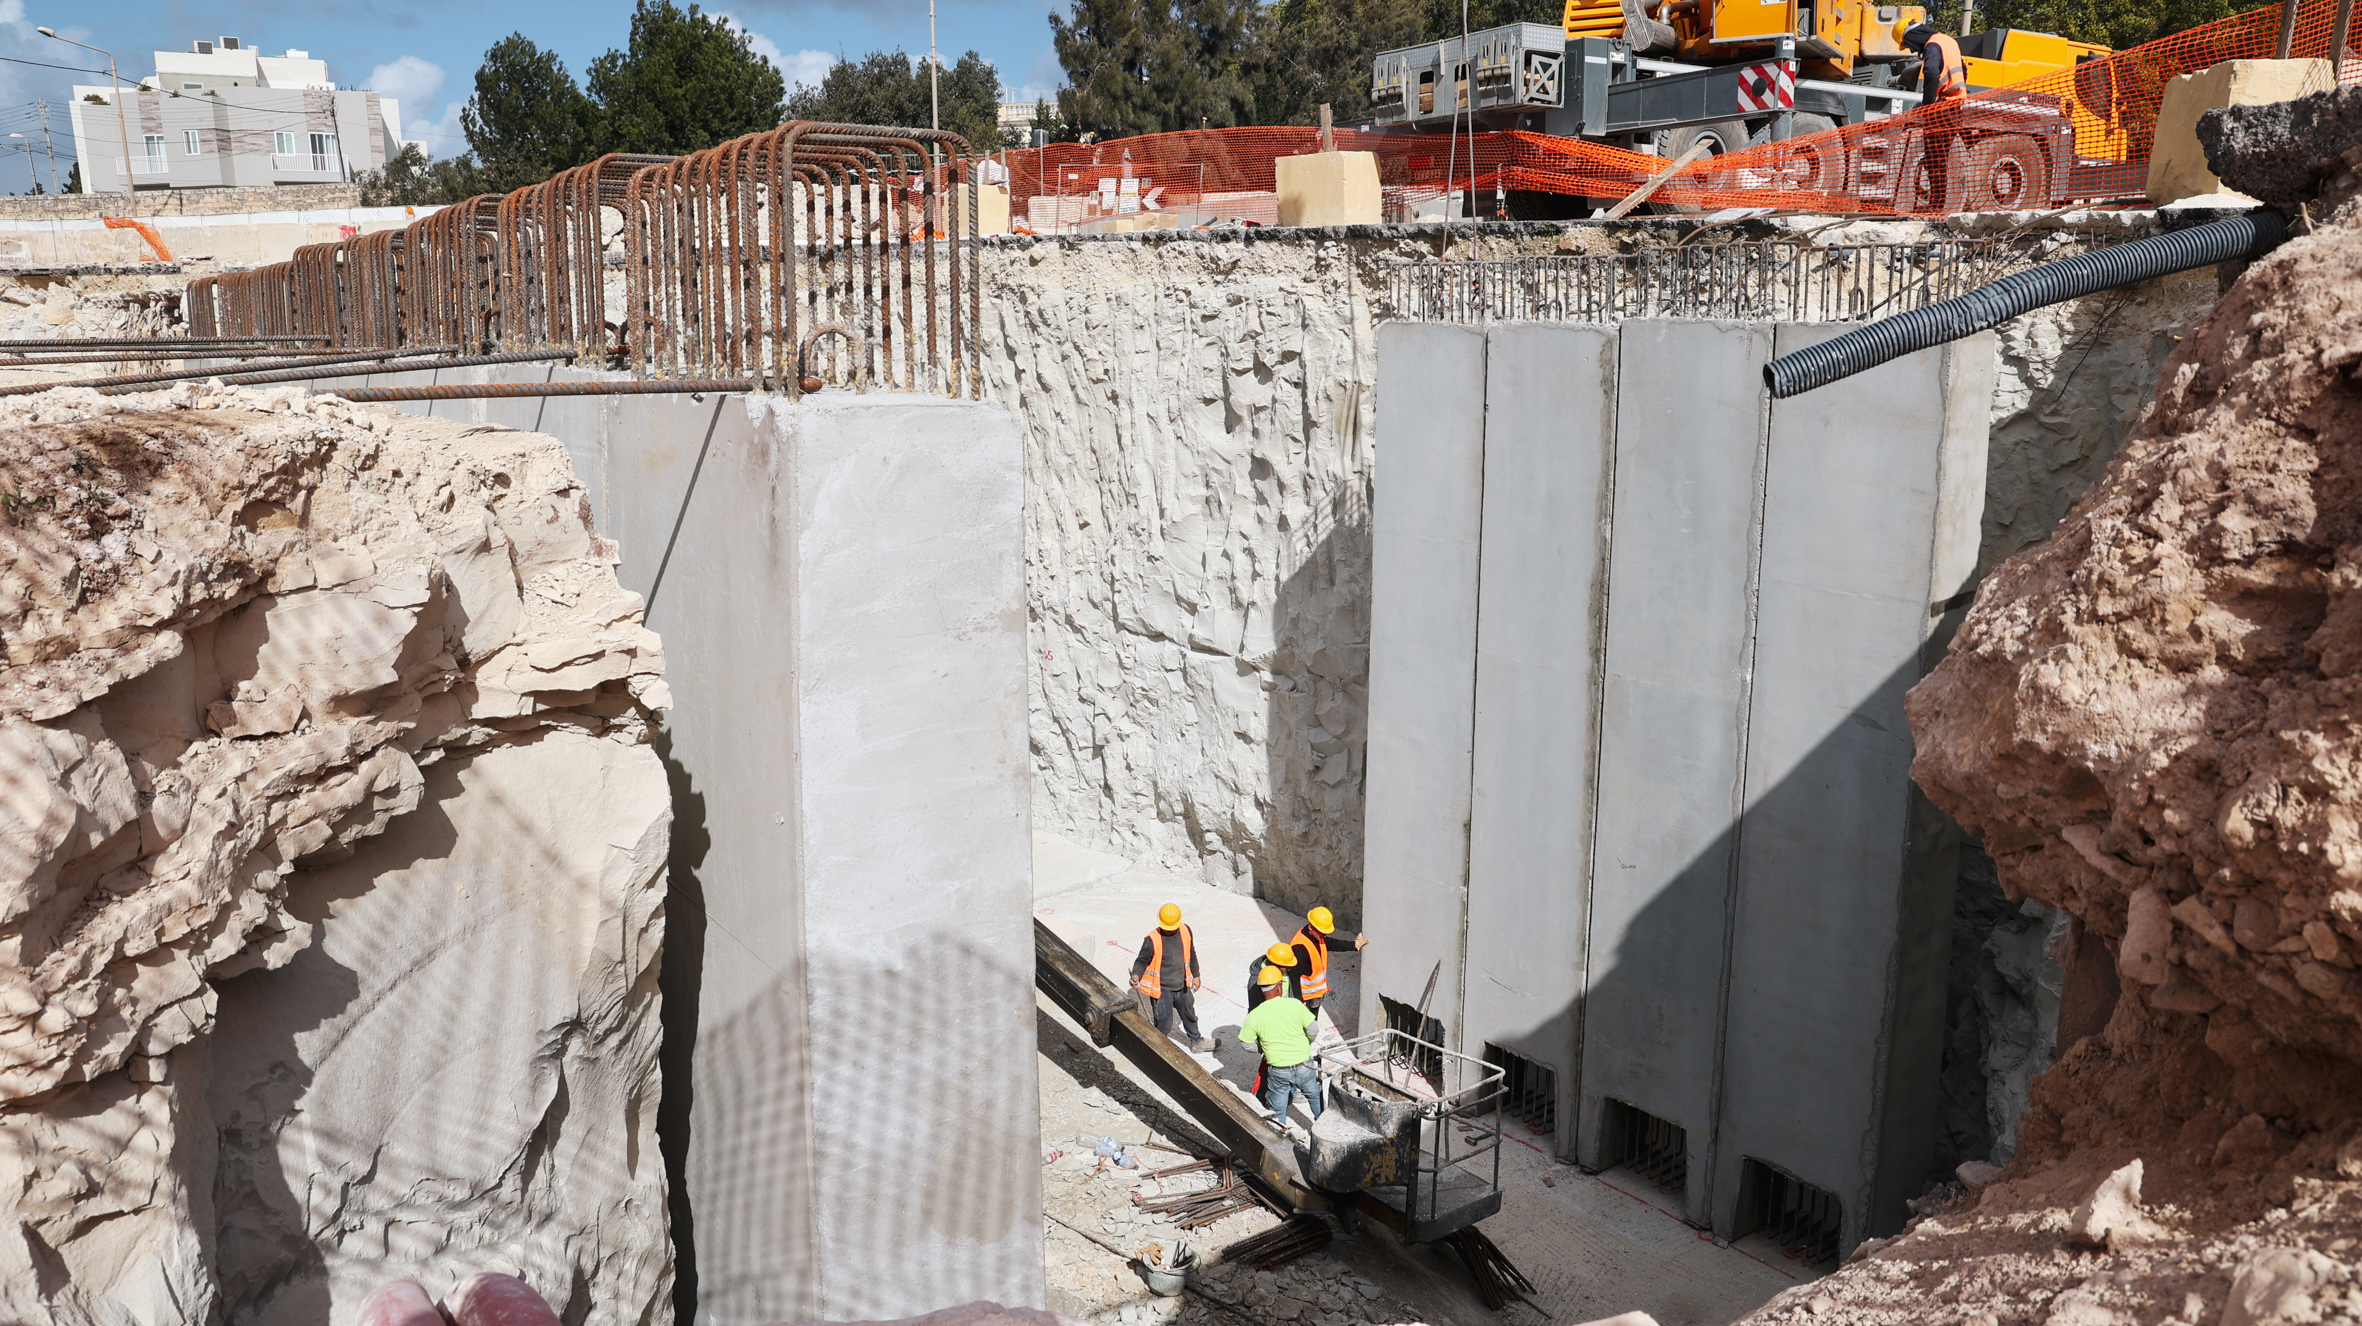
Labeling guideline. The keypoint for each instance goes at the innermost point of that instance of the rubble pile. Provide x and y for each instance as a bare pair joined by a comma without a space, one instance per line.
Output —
2150,721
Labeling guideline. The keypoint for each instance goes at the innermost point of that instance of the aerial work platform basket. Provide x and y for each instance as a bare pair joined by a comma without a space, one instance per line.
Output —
1414,1129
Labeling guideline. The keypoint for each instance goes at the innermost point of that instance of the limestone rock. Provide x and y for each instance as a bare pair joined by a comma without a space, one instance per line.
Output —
2112,1211
1978,1175
2278,1287
243,634
973,1314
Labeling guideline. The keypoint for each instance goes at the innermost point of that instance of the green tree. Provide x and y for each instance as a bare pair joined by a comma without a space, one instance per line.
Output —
1312,52
527,120
890,88
688,81
411,180
1147,66
74,178
2114,23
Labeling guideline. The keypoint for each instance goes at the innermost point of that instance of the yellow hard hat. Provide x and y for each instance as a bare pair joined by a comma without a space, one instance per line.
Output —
1269,976
1169,915
1280,955
1322,920
1903,25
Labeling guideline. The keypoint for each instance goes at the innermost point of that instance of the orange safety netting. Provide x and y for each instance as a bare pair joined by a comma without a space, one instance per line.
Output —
2075,135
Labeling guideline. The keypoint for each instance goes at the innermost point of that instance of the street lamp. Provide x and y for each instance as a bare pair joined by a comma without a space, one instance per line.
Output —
122,122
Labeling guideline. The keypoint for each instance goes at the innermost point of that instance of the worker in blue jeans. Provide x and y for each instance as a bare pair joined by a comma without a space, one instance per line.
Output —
1281,1027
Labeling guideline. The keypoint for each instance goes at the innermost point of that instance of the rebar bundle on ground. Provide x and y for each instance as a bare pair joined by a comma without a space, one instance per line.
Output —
1496,1279
1196,1210
1294,1237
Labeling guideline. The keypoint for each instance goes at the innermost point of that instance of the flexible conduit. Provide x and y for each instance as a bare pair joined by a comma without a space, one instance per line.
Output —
1989,306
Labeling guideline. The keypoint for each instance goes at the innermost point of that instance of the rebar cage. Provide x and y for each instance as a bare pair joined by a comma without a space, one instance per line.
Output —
1455,1179
813,254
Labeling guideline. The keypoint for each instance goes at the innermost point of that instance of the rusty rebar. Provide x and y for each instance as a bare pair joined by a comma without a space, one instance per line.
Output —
463,391
194,374
394,366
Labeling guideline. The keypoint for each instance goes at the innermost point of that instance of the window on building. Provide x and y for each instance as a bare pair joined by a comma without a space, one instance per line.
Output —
324,148
192,145
285,146
156,146
192,87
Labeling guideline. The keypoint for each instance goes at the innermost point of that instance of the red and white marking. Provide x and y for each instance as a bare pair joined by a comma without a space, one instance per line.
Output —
1770,86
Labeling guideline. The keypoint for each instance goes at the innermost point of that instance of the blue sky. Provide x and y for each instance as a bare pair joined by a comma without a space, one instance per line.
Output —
426,51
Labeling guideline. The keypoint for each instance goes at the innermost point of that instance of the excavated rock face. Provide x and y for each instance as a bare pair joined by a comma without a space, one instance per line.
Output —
2281,151
241,634
2151,721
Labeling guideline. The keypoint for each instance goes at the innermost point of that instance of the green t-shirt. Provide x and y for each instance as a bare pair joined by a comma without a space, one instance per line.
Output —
1279,1026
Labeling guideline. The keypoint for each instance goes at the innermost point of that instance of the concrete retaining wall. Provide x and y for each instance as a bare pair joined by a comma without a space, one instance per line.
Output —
1198,448
850,1105
1638,765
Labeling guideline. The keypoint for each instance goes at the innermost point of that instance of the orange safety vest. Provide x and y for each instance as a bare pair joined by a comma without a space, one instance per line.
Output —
1152,982
1953,76
1314,984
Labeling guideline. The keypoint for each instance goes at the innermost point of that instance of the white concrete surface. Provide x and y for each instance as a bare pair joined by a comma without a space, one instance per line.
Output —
1752,947
849,962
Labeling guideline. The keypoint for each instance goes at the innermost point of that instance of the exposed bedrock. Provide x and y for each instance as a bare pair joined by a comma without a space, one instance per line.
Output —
331,853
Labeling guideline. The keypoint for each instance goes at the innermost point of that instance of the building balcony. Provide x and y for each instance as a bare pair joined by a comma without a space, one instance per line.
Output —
140,166
308,163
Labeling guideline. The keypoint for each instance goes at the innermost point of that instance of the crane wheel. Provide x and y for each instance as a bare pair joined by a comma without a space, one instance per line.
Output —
1815,167
1722,137
2008,173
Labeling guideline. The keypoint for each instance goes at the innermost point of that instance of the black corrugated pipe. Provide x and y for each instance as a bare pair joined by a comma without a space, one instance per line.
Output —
1989,306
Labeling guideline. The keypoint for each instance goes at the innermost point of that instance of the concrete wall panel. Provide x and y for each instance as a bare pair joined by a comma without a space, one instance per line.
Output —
850,1089
1427,516
1550,426
1688,452
1853,527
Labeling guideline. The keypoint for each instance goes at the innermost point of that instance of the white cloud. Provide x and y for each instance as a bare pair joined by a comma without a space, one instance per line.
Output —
806,67
410,78
802,67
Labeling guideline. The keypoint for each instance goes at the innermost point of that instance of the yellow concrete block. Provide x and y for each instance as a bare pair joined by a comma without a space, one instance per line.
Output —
2177,164
1328,189
992,208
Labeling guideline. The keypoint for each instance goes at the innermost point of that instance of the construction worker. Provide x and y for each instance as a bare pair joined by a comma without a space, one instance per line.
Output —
1166,975
1943,80
1310,946
1280,1028
1279,956
1943,74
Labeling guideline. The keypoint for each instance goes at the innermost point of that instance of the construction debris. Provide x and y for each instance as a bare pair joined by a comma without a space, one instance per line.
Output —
1294,1237
1496,1279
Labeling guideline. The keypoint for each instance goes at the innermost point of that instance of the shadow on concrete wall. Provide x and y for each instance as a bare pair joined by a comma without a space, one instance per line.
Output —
1317,719
678,983
1828,1030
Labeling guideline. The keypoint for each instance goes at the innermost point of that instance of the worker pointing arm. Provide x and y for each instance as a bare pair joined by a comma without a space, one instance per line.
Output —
1311,946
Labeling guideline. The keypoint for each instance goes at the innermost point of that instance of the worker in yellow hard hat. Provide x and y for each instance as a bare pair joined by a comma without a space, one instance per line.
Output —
1311,946
1266,983
1166,975
1276,958
1281,1030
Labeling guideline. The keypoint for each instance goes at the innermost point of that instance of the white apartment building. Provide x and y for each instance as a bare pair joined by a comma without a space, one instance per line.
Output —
221,114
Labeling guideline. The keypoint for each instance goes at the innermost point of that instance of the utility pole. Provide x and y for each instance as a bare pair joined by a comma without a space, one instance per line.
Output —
934,73
122,114
49,145
1968,9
